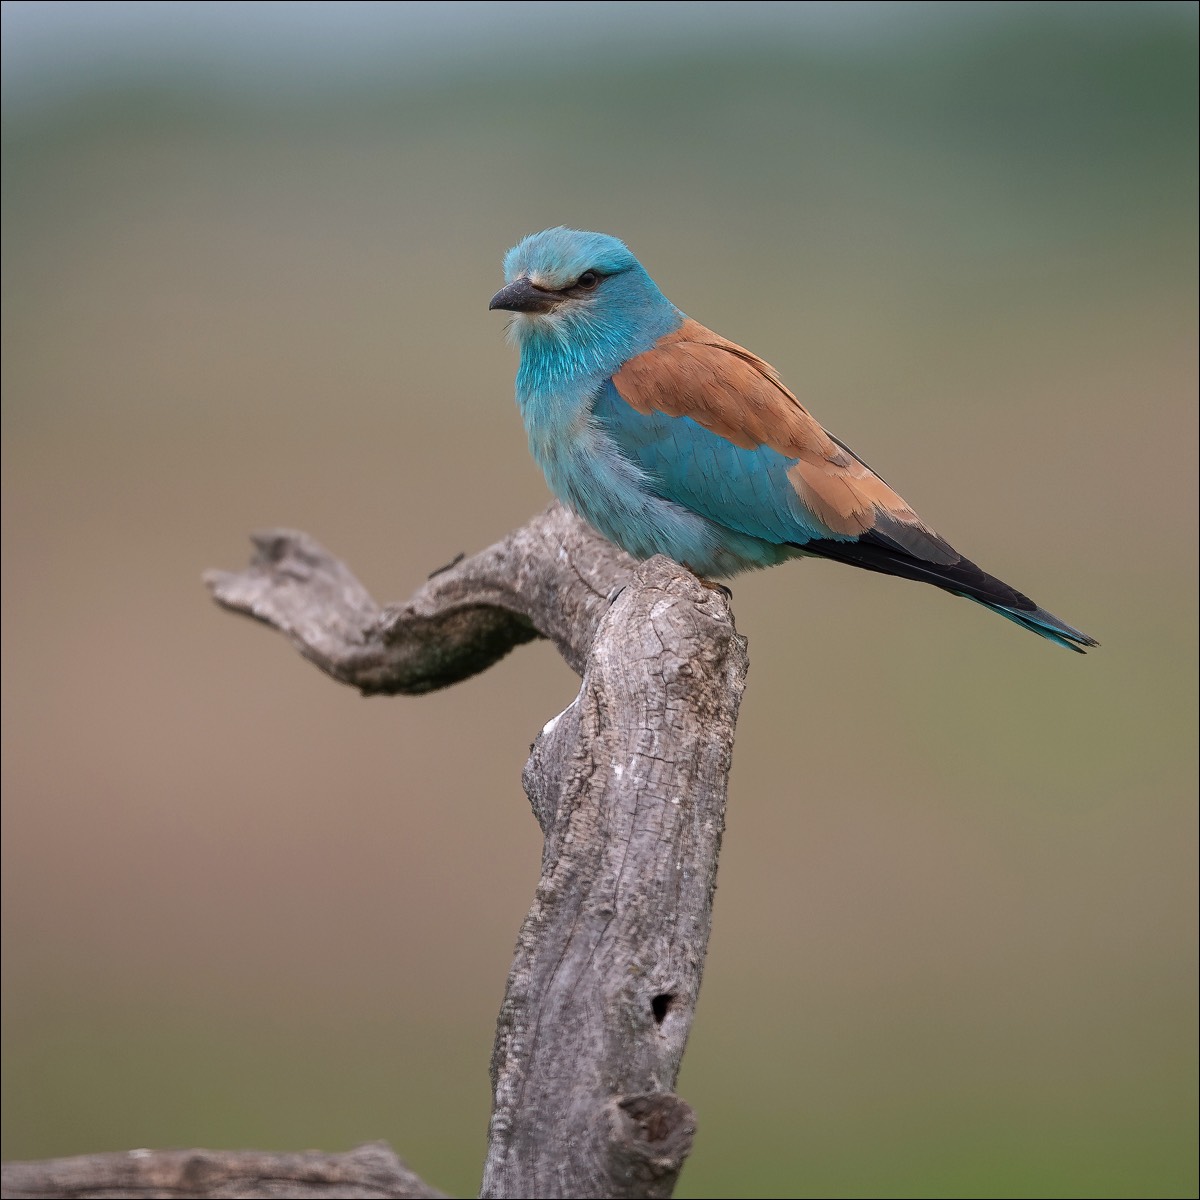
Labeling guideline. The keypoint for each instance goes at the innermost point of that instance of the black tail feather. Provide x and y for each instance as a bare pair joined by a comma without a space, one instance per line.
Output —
960,576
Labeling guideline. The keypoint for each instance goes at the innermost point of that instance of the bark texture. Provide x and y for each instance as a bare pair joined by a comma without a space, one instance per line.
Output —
629,787
551,578
368,1172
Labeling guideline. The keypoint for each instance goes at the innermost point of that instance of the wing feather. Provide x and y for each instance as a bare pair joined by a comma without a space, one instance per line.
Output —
734,394
746,453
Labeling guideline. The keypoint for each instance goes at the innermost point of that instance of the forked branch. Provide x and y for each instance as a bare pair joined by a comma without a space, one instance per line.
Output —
629,787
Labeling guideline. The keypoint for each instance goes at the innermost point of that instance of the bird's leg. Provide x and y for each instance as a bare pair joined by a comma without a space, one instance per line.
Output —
711,584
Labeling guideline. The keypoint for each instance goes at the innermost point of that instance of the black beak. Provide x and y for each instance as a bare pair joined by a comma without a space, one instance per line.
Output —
522,297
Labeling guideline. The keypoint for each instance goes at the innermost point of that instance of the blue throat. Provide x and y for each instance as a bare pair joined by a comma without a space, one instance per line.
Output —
566,358
574,348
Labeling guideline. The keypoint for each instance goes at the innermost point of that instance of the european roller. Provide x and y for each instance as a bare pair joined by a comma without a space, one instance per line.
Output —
669,439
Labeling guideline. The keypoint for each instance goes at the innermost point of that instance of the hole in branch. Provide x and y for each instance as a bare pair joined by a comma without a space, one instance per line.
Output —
661,1005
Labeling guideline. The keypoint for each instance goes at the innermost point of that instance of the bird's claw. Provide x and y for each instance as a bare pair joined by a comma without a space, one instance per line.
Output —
713,586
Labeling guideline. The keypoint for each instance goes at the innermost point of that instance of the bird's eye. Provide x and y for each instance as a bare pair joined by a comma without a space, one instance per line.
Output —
587,280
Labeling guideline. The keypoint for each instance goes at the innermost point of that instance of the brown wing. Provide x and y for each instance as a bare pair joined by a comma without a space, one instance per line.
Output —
696,373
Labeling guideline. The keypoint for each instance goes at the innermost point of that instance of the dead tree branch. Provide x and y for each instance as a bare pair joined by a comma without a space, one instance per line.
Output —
551,578
369,1172
629,787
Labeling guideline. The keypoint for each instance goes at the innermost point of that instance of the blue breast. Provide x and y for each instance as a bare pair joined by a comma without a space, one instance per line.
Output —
614,481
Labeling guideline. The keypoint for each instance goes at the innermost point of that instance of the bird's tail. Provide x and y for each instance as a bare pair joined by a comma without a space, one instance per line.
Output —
1043,623
955,574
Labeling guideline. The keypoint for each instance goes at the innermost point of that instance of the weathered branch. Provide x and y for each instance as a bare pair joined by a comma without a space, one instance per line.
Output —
628,785
368,1172
550,578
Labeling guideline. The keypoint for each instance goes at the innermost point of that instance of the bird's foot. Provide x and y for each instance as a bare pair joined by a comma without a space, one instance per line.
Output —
711,584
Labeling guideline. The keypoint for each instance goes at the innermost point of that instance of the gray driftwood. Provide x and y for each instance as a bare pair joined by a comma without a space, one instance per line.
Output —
368,1172
628,785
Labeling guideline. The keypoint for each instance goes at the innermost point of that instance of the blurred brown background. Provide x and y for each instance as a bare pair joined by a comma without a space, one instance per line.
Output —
248,253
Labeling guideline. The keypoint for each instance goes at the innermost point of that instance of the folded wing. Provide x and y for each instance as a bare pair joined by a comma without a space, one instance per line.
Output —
696,374
717,431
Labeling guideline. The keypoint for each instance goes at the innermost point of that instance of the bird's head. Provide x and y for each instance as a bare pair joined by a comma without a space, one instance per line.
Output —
582,292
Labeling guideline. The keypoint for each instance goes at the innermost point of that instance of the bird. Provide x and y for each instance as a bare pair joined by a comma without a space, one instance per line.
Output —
668,438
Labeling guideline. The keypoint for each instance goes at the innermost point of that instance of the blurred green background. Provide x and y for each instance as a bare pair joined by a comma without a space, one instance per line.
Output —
248,251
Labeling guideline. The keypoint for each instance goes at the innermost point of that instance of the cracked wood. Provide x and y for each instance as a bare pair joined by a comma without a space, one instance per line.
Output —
629,787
